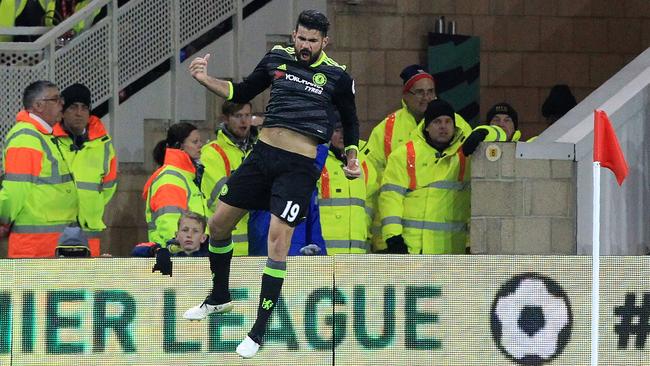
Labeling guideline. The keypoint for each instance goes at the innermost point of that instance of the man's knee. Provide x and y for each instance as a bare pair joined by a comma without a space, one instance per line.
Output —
216,227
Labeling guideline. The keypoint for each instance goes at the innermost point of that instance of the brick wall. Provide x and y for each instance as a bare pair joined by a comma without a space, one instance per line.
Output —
526,47
522,206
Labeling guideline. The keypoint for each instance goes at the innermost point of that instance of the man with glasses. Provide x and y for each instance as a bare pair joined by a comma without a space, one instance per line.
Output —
38,199
88,150
395,130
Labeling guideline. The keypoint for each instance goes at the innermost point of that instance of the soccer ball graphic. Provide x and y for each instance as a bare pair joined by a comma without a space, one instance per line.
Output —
531,319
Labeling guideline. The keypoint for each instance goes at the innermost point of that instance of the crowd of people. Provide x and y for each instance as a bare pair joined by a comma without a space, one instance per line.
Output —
301,183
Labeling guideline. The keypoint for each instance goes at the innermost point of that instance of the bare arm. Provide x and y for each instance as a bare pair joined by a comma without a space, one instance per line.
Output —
198,70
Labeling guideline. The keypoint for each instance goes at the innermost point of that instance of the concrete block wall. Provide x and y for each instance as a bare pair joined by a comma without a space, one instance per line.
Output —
527,46
522,206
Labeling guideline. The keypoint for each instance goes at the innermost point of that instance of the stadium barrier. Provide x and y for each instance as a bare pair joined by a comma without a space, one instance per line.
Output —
344,310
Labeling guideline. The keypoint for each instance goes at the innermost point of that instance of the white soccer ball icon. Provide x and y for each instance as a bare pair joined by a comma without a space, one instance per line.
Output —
531,319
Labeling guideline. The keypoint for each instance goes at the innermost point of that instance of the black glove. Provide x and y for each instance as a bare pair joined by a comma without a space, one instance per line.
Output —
163,262
471,143
396,245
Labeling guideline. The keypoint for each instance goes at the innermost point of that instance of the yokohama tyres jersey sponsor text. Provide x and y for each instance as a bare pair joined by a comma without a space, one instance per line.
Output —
302,96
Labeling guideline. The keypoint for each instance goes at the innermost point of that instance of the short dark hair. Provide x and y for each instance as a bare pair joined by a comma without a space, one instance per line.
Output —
34,91
229,108
314,19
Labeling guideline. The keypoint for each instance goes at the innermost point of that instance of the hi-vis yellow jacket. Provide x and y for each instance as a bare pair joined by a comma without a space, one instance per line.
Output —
169,191
425,195
393,132
38,195
345,211
221,157
95,171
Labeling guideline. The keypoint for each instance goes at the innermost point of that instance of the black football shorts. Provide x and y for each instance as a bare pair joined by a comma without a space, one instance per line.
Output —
274,180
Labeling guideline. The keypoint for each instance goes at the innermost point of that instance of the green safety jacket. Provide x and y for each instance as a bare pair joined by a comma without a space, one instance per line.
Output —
221,157
392,132
94,167
169,191
38,196
345,213
9,11
425,195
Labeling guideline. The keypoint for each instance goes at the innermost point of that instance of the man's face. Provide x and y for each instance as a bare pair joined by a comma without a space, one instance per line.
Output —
190,235
419,96
49,106
193,144
441,129
239,123
505,122
308,43
337,138
75,117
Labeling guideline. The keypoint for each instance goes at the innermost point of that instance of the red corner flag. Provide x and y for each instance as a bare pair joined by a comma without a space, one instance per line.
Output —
607,151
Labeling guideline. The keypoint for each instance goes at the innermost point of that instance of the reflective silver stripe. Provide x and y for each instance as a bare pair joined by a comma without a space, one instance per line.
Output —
345,244
369,211
20,178
216,190
38,229
107,153
426,225
393,188
46,149
449,184
240,238
4,220
165,210
55,179
89,186
391,220
436,226
38,180
109,185
176,174
342,202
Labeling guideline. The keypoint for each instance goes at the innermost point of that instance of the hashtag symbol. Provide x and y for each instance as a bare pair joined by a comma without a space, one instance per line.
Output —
628,313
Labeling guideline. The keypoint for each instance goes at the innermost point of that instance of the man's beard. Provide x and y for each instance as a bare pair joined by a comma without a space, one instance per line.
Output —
312,57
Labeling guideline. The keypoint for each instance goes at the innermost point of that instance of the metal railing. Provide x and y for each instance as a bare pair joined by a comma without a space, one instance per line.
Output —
120,48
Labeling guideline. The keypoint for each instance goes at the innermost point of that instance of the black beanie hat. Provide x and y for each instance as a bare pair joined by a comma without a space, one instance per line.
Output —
76,93
503,108
437,108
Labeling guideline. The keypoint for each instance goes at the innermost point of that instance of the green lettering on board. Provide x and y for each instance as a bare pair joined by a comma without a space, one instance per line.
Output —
415,317
55,321
217,322
5,322
29,322
361,333
284,332
337,320
120,324
170,344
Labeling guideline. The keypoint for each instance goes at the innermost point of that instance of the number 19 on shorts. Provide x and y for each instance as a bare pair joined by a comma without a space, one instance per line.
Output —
290,211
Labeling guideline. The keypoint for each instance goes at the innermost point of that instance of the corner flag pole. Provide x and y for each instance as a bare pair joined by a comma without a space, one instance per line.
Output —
607,153
595,266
